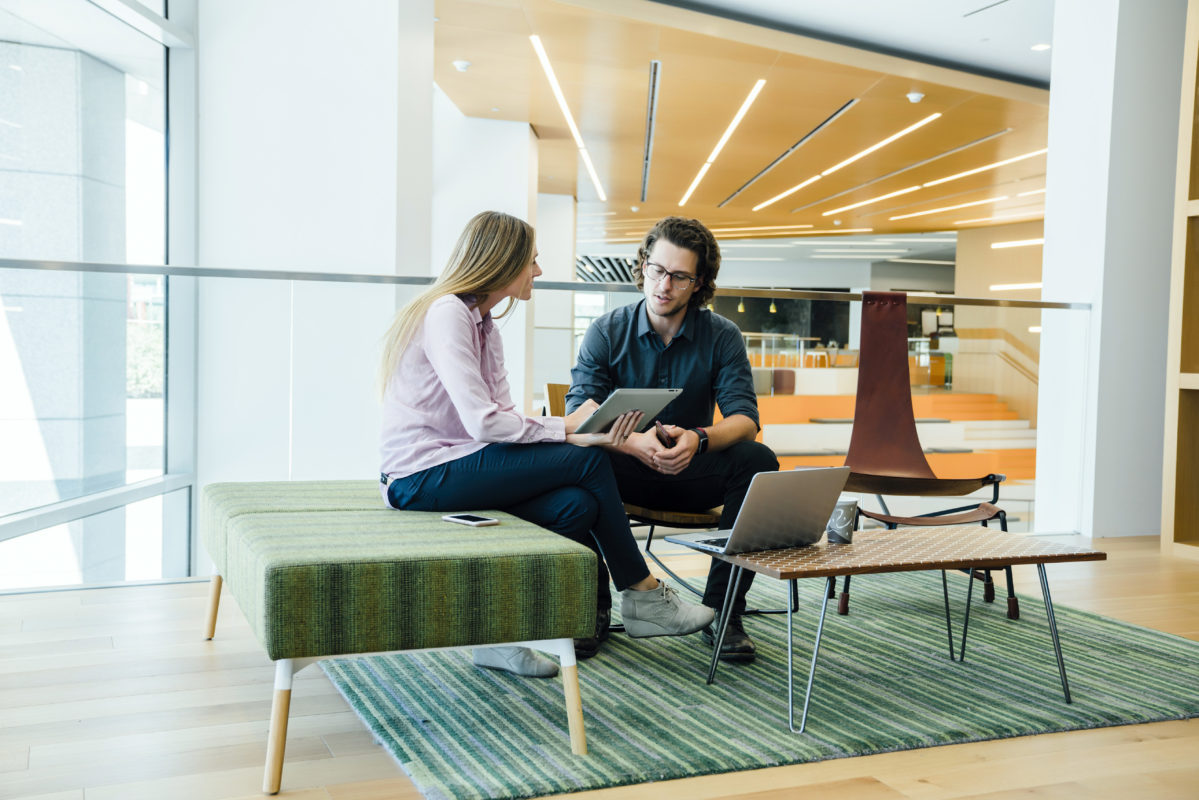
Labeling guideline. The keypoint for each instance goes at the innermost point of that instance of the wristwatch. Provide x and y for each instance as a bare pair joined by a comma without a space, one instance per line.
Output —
703,440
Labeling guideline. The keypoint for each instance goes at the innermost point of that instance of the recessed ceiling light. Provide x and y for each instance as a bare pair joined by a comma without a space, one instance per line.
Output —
741,112
1040,47
921,261
883,143
13,222
949,208
461,64
1034,328
986,167
570,120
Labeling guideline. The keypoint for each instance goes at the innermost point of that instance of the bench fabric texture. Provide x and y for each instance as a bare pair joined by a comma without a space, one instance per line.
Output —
323,568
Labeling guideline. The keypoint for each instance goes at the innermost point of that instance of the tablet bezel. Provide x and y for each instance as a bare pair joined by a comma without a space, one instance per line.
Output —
648,401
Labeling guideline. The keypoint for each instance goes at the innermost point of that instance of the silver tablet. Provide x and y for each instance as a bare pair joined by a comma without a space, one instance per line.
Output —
648,401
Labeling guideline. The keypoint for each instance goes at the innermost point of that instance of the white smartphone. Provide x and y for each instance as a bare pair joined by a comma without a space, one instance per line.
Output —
472,520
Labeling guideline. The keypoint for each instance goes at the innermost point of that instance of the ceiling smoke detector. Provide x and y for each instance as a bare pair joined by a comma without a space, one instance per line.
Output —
914,96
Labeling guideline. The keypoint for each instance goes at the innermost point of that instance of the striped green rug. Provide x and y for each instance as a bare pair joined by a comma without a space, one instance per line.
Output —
884,682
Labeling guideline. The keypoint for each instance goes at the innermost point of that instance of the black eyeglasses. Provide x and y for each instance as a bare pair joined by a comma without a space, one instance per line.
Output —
679,280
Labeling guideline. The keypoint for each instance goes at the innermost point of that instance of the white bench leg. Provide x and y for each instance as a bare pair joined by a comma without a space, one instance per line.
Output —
565,650
214,600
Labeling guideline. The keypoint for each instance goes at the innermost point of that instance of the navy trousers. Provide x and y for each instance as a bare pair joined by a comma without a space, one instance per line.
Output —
568,489
709,480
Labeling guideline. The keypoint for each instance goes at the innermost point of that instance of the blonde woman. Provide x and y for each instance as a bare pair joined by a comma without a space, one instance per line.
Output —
453,440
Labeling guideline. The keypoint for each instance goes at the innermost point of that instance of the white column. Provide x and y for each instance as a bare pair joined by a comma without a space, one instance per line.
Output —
1113,132
297,137
553,337
485,165
414,140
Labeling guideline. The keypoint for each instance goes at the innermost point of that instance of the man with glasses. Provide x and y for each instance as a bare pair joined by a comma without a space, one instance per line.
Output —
670,339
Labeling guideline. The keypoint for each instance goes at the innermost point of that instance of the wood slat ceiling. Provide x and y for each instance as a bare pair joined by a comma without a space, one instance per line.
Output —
602,61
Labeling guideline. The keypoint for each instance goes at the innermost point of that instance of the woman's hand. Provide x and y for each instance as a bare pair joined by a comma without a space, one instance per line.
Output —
575,418
614,437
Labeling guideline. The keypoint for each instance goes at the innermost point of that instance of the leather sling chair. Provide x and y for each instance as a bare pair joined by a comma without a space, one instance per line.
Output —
885,456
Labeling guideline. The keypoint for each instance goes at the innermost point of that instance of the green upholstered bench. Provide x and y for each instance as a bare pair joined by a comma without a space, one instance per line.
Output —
324,569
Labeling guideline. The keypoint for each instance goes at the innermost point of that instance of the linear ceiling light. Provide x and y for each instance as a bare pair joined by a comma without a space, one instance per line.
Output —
883,143
850,258
986,167
888,251
871,200
741,112
920,163
651,111
949,208
570,120
1016,243
804,140
921,261
790,191
1034,328
1000,217
915,241
1034,191
1011,287
761,228
826,231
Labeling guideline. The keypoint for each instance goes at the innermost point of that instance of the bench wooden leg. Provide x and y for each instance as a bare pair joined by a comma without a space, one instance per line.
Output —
276,741
214,600
565,650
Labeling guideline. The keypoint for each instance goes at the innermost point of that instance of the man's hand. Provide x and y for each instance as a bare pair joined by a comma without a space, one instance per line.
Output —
672,461
644,447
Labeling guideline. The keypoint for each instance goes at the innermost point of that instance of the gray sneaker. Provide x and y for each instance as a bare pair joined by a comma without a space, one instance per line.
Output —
659,612
517,660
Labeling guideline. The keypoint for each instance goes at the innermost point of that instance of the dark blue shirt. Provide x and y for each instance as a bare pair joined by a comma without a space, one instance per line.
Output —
706,359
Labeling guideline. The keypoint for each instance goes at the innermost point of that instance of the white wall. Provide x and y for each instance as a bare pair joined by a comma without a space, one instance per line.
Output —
297,165
1113,128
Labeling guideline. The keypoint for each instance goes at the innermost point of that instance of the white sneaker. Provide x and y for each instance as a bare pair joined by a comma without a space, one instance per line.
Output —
659,612
517,660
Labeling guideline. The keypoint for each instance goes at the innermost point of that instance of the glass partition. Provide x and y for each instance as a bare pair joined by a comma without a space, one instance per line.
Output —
287,389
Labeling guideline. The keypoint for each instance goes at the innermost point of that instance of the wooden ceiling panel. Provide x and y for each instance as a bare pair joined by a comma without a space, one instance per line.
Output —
602,62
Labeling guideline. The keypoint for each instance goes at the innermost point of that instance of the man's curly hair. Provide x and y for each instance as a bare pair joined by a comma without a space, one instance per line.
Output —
689,234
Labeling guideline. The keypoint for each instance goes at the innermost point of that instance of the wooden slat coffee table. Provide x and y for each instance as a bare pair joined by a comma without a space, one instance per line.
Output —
950,547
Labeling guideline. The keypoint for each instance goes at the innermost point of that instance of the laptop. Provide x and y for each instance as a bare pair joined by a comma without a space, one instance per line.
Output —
781,509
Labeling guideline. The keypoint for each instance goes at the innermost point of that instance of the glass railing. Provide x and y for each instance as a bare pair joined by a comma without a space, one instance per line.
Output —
286,389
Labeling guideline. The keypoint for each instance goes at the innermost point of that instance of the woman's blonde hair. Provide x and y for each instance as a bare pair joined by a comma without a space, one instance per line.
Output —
490,254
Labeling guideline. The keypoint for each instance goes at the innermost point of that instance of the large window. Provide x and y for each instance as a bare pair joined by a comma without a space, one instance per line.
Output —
82,353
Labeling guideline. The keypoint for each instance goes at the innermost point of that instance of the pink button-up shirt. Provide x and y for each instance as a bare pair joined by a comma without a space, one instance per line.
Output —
449,396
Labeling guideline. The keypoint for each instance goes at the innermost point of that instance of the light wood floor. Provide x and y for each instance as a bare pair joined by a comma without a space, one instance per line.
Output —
112,693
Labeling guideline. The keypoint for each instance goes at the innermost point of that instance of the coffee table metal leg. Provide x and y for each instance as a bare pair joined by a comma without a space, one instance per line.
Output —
948,621
1057,644
807,700
726,613
966,622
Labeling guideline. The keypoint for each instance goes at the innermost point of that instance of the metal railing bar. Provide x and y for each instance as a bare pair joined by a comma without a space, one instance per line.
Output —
569,286
64,511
